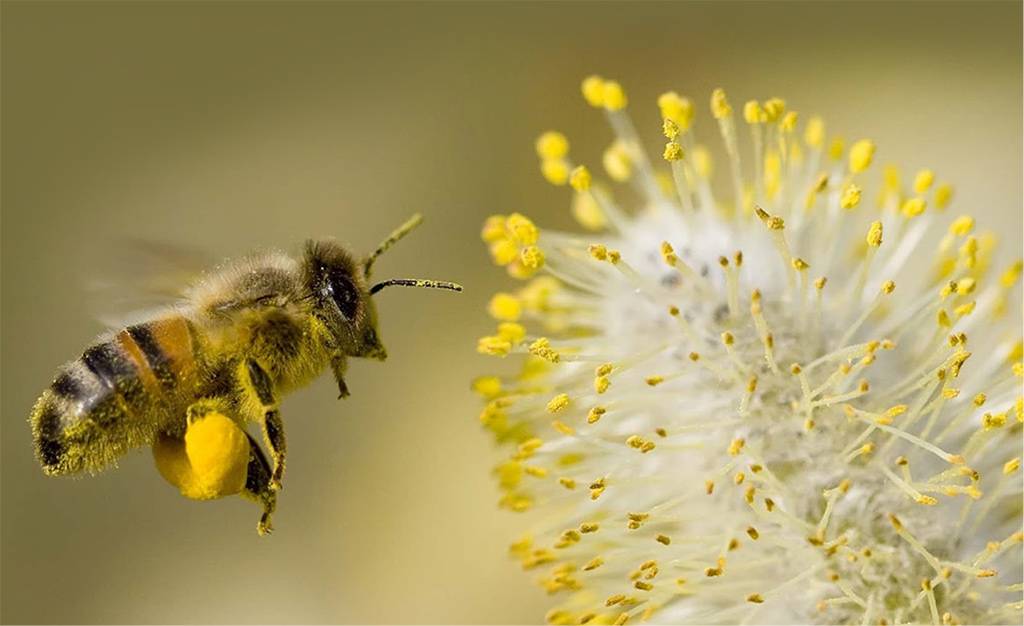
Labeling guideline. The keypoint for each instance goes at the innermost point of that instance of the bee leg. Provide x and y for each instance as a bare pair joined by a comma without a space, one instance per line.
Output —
273,427
257,486
338,368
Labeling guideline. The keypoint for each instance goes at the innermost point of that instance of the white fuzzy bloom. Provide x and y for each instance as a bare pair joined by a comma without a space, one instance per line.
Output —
798,407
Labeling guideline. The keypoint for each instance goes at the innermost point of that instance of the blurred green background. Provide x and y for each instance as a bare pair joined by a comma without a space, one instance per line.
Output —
229,126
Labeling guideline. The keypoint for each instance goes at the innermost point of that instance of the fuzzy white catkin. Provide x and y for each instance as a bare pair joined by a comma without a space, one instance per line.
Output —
799,406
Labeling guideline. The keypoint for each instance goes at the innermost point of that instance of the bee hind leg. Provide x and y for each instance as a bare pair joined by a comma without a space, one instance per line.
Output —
262,390
257,486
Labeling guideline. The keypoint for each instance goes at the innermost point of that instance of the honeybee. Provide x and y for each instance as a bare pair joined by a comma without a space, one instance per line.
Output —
187,380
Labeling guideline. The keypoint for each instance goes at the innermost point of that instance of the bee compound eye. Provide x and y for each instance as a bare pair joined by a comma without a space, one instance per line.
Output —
345,296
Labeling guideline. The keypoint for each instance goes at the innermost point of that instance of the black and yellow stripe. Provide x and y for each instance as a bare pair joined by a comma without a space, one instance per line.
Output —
110,399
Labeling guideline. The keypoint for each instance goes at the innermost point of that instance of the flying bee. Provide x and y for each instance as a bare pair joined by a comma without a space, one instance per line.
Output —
188,380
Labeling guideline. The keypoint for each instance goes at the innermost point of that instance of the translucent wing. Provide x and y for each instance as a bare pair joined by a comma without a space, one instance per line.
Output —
127,278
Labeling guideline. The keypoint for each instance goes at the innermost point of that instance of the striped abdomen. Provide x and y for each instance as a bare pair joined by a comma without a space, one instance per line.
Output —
115,397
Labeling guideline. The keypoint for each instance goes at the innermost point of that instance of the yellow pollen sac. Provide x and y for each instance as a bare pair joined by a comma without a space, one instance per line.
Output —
552,145
663,539
598,251
720,104
788,121
819,283
913,207
511,332
643,586
494,229
617,162
774,108
756,598
487,386
736,446
1011,466
888,287
676,108
752,113
752,533
558,403
494,346
555,171
614,97
504,251
814,133
542,348
771,221
670,129
799,264
965,286
709,487
580,178
673,151
588,212
595,414
505,307
861,154
532,257
593,90
923,181
568,483
962,226
874,238
943,194
601,384
991,422
654,381
850,197
835,149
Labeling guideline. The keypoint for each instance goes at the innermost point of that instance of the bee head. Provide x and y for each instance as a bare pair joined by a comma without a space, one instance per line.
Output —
341,299
341,294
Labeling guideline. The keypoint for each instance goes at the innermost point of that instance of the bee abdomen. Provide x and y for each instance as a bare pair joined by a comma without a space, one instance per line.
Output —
114,397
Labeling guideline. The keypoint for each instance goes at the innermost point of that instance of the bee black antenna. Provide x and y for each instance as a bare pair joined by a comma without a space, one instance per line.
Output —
415,282
391,240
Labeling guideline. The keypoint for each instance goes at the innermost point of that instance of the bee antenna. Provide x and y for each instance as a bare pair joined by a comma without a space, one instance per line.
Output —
391,240
415,282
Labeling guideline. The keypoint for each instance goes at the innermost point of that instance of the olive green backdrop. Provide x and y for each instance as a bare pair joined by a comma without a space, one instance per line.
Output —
229,126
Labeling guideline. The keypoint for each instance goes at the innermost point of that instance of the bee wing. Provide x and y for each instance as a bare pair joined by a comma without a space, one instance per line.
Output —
131,278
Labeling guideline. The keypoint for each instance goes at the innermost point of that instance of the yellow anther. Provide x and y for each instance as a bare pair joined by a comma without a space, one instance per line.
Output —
711,572
709,487
888,287
487,386
962,226
788,121
511,332
874,238
850,197
727,338
673,151
752,112
614,256
663,539
580,178
990,421
969,252
593,90
835,149
694,356
943,194
522,229
588,212
601,384
494,346
965,286
595,414
923,181
643,586
670,129
568,483
1011,466
505,307
861,154
494,229
598,251
676,108
604,369
615,599
739,478
926,500
736,446
769,504
774,108
814,133
819,283
795,369
531,257
771,221
964,309
756,598
613,97
593,564
552,145
799,264
617,162
1011,275
542,348
555,171
913,207
537,472
654,381
720,104
820,183
558,403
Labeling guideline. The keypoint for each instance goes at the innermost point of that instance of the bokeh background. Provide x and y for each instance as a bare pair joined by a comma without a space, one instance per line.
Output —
229,126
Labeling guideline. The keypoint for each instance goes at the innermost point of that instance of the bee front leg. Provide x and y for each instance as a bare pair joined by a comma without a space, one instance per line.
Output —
338,364
262,390
257,486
